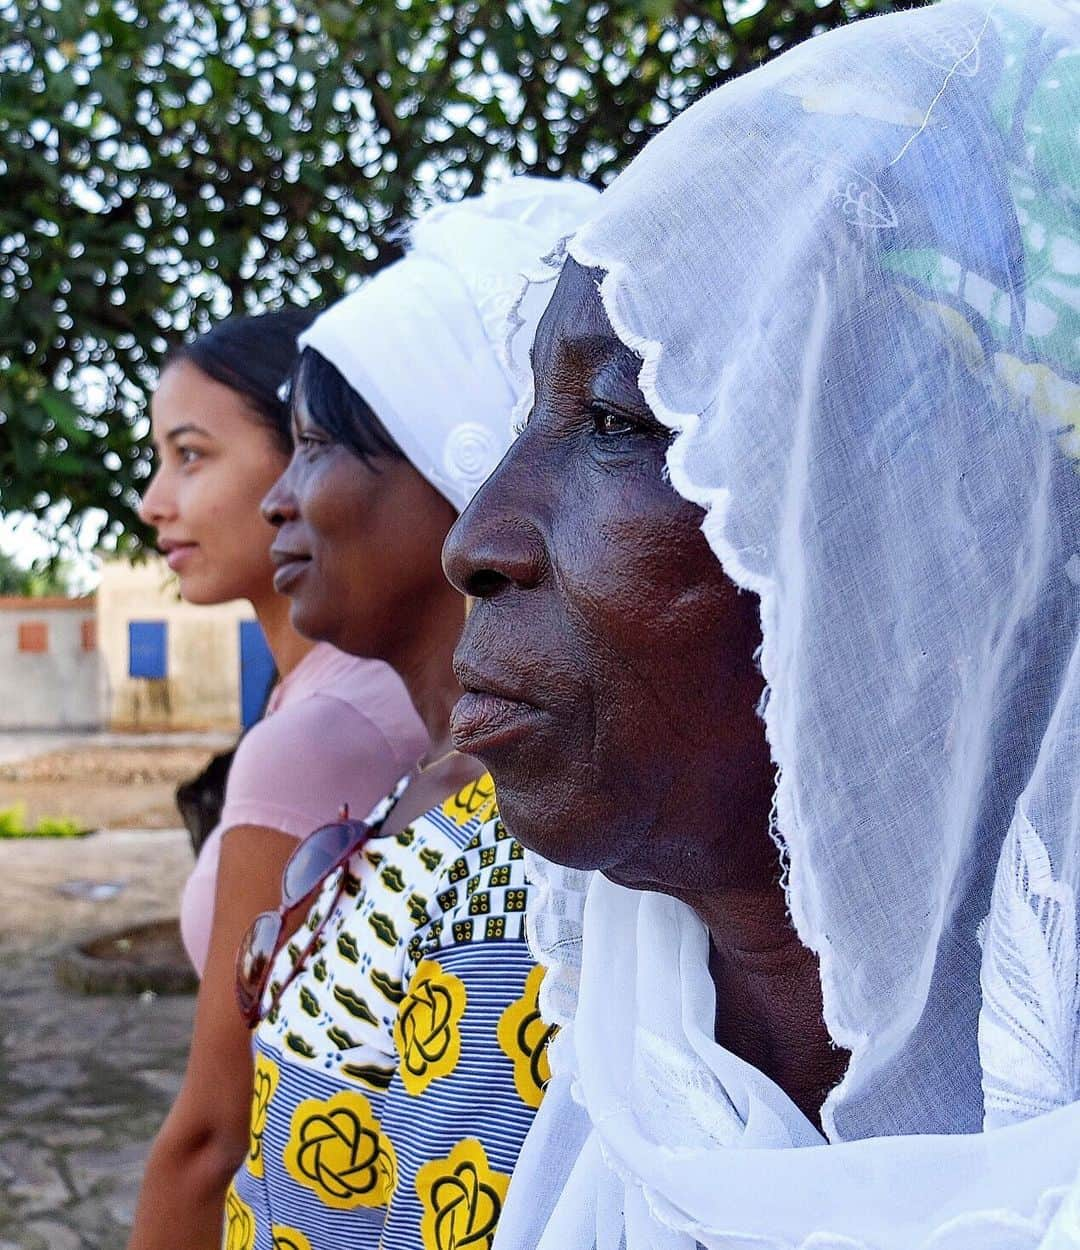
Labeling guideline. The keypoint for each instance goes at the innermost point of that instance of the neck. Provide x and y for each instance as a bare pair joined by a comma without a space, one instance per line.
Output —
768,994
423,657
424,661
286,646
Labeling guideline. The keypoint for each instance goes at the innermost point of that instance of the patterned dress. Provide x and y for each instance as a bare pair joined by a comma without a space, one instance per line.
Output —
398,1076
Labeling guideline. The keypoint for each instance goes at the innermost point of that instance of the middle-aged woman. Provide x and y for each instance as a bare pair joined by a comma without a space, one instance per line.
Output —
337,729
808,389
392,1084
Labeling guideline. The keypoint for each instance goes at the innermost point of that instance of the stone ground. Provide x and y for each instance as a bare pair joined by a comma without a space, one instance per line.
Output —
84,1081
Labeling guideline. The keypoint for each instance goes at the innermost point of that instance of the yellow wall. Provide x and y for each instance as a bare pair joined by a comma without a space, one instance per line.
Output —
202,688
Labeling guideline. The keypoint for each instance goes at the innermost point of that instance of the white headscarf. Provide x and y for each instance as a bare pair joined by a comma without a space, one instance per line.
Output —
853,277
421,341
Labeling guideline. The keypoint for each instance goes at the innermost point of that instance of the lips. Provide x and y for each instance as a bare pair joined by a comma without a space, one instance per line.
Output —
488,715
289,567
176,553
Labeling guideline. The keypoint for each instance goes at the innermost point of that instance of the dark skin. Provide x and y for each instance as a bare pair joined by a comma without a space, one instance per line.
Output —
363,541
612,688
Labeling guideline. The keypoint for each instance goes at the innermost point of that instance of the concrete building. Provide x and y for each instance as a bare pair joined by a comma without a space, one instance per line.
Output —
51,671
133,656
174,665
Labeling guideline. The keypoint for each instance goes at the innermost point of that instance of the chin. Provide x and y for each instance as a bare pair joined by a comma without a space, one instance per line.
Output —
536,803
553,826
204,594
307,620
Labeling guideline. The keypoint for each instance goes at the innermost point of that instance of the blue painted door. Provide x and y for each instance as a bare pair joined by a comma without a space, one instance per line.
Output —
147,649
257,672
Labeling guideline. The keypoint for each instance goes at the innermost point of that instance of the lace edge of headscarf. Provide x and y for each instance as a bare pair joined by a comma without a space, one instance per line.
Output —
716,502
546,273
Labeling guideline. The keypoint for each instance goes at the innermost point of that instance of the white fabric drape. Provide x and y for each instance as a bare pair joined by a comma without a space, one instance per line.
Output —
421,341
853,277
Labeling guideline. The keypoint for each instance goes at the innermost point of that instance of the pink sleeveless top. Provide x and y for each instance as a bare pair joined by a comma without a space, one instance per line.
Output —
338,729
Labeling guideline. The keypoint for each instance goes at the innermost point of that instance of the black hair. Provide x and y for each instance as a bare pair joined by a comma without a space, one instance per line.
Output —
338,410
252,356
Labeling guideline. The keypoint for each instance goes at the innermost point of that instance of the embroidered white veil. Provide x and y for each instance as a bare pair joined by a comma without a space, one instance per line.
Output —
853,277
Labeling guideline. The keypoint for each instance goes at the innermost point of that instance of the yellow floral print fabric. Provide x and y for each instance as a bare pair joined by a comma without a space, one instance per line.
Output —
399,1073
283,1238
338,1150
239,1231
459,1132
265,1082
523,1037
476,802
428,1027
462,1198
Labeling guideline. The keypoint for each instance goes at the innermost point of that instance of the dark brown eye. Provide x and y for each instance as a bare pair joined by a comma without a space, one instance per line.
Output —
608,422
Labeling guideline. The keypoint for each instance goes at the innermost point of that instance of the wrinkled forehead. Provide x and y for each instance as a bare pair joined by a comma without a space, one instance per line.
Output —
574,320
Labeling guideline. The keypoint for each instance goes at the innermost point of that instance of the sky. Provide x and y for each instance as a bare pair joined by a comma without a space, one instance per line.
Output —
20,537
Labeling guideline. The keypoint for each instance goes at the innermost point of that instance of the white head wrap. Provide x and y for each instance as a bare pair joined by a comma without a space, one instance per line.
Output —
853,277
422,340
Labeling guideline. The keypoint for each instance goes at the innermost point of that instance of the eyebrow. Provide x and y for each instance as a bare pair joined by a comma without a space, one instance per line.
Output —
189,428
608,347
607,343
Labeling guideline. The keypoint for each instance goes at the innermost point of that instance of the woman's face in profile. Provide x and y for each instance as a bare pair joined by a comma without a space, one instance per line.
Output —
357,544
214,462
608,662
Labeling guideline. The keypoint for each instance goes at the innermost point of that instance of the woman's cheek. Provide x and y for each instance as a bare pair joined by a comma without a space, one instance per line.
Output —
325,502
644,562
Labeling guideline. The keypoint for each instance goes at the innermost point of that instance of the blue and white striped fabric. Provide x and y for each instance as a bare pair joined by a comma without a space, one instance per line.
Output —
396,1080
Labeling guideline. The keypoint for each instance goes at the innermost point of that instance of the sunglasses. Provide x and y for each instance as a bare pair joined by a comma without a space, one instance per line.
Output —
325,851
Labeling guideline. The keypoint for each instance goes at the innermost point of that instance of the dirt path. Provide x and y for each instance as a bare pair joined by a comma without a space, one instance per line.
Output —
102,787
47,899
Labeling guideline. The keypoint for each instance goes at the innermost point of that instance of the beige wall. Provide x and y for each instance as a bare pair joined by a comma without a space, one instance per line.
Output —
60,686
202,688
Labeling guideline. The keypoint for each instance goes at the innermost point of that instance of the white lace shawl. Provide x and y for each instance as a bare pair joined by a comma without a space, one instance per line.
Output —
853,277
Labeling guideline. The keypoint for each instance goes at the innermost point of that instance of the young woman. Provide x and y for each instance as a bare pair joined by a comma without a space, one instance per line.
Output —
808,391
380,1074
337,730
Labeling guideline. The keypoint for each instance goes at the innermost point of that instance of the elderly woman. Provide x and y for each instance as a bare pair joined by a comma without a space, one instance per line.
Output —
806,399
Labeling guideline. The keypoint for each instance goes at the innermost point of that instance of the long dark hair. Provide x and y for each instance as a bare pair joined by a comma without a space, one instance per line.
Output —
254,357
338,410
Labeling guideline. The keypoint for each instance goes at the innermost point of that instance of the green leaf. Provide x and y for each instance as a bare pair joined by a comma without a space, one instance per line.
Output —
135,153
66,415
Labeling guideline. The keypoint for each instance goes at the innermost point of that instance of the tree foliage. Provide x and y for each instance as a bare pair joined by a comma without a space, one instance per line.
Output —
165,162
54,578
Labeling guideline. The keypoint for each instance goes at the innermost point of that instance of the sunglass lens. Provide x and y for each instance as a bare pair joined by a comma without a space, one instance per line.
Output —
253,959
317,855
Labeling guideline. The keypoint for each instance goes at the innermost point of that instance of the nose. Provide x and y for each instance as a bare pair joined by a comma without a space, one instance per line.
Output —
157,505
279,503
495,543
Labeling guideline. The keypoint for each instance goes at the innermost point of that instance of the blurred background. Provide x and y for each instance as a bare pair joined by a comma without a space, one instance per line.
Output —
162,165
